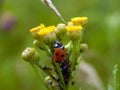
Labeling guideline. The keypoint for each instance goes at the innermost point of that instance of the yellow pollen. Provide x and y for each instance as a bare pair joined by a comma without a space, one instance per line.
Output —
74,28
79,20
46,30
36,29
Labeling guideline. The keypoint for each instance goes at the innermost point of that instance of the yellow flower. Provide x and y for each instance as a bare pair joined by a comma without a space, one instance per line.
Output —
46,30
47,34
36,29
74,32
79,20
74,28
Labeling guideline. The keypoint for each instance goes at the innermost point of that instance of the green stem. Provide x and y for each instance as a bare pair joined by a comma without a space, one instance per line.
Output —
46,49
64,38
115,71
40,77
60,75
74,55
47,72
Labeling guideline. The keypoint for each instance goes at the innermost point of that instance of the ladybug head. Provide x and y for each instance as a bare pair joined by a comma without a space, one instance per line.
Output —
58,44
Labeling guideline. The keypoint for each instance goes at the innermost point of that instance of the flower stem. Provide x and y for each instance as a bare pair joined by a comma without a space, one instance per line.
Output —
60,75
115,71
75,53
39,76
47,72
46,49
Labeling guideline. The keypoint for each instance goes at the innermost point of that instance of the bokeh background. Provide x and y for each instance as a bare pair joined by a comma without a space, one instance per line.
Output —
102,35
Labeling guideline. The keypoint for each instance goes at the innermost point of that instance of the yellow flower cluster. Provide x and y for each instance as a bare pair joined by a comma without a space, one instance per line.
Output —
42,30
74,28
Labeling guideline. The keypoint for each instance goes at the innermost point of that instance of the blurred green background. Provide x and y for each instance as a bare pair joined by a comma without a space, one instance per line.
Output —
102,35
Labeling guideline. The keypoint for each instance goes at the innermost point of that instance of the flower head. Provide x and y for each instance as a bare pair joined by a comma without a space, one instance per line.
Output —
35,31
46,30
74,28
47,34
79,20
74,32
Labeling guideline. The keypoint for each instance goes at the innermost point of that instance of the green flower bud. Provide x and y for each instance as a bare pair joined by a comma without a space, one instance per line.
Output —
61,33
36,43
49,82
60,29
30,55
70,24
83,47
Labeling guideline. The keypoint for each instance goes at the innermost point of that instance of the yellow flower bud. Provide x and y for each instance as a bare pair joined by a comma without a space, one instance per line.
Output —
79,20
74,32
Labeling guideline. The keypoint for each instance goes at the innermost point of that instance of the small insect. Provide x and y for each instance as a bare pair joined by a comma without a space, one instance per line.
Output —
59,52
61,56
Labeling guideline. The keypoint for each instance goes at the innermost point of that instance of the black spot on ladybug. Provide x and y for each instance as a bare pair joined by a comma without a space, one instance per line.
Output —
62,55
56,54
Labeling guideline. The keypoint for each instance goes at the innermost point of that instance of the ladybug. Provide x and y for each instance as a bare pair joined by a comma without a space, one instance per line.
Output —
59,52
61,57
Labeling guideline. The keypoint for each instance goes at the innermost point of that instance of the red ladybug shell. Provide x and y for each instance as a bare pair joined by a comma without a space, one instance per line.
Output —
59,54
